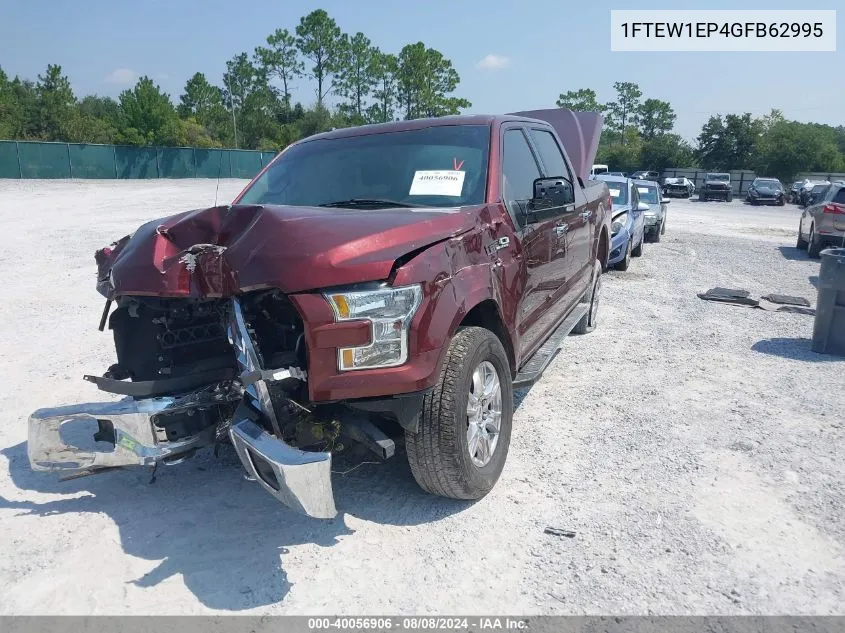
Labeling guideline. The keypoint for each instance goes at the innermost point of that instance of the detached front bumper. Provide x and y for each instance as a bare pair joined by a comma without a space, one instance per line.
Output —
125,436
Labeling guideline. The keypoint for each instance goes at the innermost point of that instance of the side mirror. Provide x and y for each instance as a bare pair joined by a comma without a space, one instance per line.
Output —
552,192
642,206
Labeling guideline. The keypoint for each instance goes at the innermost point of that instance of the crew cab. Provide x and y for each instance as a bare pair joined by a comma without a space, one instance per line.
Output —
371,283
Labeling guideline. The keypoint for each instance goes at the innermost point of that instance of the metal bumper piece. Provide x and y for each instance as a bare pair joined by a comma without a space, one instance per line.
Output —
125,436
299,479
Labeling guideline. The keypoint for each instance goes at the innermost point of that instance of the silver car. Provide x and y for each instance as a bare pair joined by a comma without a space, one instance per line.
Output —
823,219
655,217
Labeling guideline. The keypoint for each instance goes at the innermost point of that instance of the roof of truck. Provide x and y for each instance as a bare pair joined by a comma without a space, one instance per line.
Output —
416,124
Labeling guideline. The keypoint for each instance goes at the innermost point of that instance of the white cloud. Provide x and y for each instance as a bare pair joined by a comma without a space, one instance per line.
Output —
122,77
494,62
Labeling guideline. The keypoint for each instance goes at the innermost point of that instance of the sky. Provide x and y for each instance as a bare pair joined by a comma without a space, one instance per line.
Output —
509,56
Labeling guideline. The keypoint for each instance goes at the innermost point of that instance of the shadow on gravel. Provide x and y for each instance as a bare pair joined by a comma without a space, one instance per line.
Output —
814,279
793,253
224,535
794,348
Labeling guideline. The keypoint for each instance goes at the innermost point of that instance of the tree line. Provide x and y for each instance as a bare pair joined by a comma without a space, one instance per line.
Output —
638,134
254,107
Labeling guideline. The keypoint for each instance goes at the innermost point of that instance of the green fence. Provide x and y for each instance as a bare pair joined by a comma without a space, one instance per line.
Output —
35,159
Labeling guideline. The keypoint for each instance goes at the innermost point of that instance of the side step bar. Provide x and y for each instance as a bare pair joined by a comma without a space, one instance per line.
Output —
531,371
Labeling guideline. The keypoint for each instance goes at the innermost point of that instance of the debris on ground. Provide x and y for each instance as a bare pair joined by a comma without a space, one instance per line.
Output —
559,532
770,302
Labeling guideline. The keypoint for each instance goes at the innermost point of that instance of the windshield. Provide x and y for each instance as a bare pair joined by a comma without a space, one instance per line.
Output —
648,194
767,183
724,177
441,166
619,192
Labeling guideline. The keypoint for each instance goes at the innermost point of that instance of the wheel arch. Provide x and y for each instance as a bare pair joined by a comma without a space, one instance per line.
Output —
486,314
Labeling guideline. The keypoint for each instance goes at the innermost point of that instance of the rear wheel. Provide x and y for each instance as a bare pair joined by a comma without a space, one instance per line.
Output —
814,247
465,424
801,243
588,322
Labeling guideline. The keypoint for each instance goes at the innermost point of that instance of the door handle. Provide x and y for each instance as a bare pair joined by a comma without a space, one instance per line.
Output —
586,215
560,229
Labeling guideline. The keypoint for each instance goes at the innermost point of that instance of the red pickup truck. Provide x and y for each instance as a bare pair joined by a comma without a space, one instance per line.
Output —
372,283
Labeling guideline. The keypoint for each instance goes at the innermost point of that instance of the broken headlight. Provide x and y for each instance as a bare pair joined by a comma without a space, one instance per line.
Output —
389,311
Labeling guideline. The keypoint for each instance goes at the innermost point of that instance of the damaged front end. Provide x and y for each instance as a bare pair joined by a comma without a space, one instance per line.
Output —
196,372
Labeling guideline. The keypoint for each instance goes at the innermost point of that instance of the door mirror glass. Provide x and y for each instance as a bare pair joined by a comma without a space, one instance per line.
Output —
552,192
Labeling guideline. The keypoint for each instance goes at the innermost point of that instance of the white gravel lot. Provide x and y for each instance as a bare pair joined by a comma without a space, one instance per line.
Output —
694,448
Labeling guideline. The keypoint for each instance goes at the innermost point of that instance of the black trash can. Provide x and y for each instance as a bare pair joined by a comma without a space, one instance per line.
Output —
829,329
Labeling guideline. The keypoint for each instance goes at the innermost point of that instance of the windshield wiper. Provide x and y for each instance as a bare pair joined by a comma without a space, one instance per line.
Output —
368,202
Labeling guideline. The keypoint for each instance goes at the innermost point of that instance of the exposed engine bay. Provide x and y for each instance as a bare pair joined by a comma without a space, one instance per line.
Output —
198,372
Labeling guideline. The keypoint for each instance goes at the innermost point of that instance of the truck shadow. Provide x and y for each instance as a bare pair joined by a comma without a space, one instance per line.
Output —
224,535
793,348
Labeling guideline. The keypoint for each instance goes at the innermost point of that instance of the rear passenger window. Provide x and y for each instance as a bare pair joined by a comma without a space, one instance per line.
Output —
519,170
550,154
840,196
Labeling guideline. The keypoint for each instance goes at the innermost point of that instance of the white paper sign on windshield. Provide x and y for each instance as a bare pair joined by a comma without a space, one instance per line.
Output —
437,182
614,193
642,189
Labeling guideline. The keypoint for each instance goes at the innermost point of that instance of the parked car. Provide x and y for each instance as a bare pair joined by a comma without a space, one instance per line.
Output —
372,282
617,173
681,187
628,222
716,185
809,188
646,175
654,219
766,190
597,170
792,194
823,219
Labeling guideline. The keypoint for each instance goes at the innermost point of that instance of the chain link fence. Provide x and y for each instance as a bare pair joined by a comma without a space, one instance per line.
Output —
37,159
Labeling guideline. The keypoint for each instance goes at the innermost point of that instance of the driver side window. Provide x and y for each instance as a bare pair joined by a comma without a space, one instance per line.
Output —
519,171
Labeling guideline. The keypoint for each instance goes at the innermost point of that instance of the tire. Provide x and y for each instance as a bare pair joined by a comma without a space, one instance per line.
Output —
626,261
588,322
439,453
638,251
801,243
702,198
729,197
781,202
655,235
663,226
814,244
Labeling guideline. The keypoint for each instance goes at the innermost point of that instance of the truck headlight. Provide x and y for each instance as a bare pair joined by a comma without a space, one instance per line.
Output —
389,311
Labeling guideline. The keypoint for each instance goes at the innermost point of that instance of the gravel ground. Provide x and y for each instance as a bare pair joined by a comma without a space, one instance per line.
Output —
691,446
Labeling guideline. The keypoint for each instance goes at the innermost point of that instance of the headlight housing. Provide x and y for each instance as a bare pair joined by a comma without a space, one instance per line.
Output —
389,311
618,223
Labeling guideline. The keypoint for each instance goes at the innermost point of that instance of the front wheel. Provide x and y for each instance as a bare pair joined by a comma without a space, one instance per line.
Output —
729,197
464,430
626,261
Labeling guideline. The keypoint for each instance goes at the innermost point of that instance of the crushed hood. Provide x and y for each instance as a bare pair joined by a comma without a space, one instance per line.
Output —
221,251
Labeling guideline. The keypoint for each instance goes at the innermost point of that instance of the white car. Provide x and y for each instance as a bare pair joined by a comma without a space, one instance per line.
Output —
682,187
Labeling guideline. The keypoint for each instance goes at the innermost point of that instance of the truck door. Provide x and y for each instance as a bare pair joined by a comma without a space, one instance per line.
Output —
572,255
519,170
